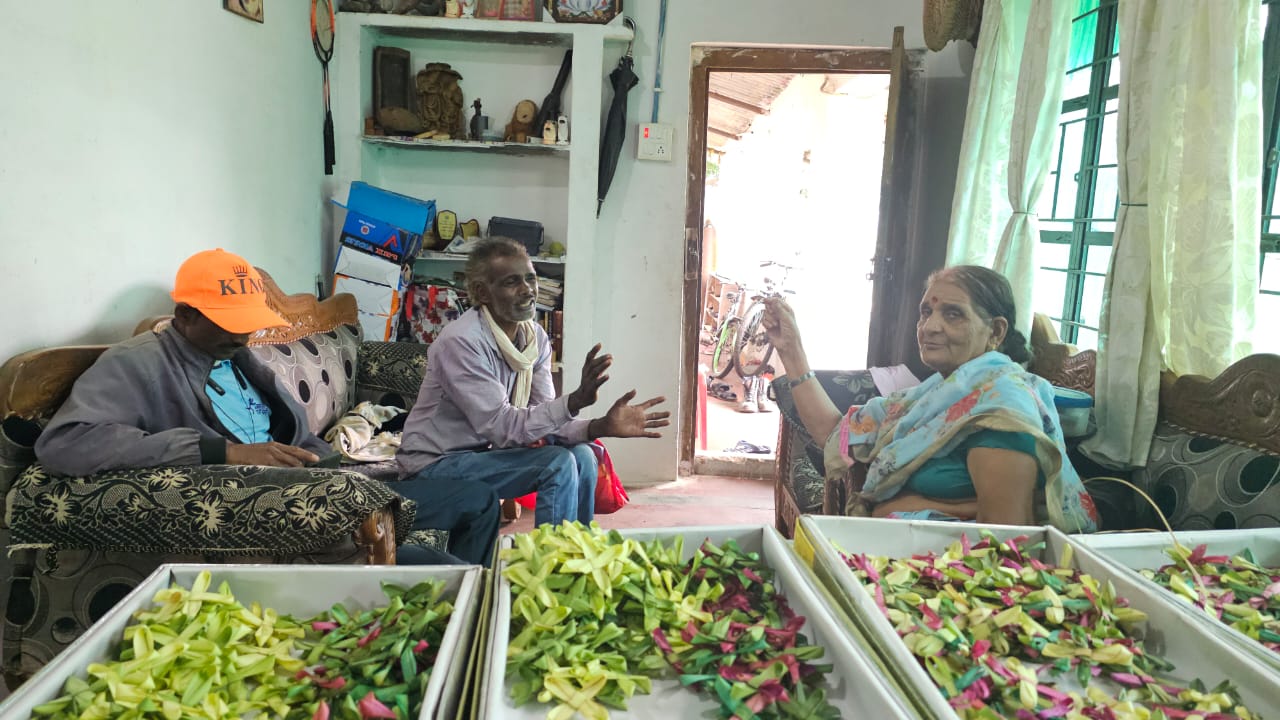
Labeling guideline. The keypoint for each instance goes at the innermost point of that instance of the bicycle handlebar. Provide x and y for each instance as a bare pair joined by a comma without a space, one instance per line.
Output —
767,263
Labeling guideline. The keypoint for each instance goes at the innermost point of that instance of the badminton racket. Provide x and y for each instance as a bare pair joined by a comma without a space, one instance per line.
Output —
322,32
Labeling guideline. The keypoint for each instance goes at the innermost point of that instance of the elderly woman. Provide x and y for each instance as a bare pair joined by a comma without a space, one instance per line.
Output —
979,440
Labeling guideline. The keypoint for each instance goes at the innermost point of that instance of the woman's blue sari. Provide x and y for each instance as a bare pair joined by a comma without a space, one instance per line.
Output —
898,433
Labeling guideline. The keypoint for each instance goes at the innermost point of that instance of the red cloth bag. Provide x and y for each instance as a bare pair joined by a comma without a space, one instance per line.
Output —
610,495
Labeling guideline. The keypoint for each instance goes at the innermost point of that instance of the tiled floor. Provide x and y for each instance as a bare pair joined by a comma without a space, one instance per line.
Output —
699,500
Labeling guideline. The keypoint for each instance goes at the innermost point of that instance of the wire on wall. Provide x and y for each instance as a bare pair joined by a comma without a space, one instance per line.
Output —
657,74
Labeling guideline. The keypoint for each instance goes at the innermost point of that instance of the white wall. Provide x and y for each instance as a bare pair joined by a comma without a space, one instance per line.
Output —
134,133
639,258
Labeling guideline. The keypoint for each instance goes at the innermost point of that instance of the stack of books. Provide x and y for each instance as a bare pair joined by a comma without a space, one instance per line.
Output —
550,291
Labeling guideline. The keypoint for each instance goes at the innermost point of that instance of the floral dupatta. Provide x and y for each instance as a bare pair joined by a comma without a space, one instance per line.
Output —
898,433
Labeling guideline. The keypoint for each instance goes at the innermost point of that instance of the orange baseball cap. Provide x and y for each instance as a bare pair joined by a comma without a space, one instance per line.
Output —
227,290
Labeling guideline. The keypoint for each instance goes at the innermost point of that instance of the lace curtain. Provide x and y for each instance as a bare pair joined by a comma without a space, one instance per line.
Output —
1183,277
1010,124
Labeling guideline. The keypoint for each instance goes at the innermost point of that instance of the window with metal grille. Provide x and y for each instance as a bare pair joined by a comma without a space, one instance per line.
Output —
1077,209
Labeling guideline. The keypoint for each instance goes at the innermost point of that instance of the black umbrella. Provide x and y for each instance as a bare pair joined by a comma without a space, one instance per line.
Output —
623,78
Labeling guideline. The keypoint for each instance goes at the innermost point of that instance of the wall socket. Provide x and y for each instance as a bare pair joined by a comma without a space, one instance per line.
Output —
654,141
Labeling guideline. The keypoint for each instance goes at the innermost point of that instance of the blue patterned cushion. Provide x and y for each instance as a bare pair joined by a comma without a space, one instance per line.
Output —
319,371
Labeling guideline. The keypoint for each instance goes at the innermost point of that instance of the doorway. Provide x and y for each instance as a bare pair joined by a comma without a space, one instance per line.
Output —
790,182
790,203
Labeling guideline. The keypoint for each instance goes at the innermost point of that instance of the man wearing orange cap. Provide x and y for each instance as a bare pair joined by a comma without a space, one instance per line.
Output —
192,395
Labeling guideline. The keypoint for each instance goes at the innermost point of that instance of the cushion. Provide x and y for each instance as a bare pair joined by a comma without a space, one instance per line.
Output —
319,371
1202,483
234,510
391,368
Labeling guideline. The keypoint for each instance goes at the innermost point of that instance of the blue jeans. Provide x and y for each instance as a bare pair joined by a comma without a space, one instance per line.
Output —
564,477
468,510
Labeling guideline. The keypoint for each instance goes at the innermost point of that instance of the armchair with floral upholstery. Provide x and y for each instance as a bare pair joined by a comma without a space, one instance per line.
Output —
79,545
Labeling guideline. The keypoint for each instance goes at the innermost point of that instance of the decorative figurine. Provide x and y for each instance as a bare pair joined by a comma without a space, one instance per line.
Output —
452,9
468,8
521,124
562,129
549,132
440,101
477,122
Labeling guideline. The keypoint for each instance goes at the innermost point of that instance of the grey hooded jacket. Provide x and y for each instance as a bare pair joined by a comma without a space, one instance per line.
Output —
143,404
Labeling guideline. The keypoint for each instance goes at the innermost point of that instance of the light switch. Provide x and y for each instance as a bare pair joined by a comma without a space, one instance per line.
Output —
654,141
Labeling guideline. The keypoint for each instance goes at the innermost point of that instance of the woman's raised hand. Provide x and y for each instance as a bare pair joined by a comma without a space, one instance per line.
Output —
780,323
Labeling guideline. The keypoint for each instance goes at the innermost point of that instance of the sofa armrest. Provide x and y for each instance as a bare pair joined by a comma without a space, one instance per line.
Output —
210,509
376,537
799,487
846,388
390,368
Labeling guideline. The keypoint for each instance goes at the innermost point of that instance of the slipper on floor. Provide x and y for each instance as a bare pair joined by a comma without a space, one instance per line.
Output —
750,448
723,392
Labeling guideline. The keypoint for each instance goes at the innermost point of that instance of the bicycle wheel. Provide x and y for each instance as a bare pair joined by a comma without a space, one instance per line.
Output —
754,349
726,342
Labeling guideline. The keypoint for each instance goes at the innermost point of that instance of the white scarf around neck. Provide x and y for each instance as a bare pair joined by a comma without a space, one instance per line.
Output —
520,361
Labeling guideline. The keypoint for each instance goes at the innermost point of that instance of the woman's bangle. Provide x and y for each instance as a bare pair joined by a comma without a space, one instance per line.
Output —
803,378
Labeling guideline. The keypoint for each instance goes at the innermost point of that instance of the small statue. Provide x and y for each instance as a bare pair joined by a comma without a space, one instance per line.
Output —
562,129
520,127
452,9
440,101
549,132
477,122
468,8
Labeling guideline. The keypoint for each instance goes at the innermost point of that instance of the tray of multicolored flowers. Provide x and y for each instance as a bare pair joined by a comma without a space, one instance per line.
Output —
990,621
269,641
710,622
1228,580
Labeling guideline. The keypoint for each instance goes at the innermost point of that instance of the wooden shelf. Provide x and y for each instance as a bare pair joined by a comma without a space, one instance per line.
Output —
460,257
497,148
498,31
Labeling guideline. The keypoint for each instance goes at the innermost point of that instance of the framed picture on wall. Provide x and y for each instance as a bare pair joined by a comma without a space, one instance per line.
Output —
519,9
251,9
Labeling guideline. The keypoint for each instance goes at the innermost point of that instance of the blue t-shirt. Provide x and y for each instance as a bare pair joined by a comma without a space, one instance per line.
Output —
946,477
238,404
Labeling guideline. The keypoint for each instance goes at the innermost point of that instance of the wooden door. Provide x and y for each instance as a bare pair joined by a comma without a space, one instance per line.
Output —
903,260
716,58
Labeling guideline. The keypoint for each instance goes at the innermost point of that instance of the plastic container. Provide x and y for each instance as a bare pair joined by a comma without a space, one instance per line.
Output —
1202,650
298,590
857,685
1074,407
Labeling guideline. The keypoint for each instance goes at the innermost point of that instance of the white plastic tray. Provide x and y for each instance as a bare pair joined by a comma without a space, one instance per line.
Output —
855,685
299,590
1131,552
1194,651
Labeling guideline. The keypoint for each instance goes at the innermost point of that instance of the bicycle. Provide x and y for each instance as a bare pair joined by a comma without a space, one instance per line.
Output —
740,340
725,336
